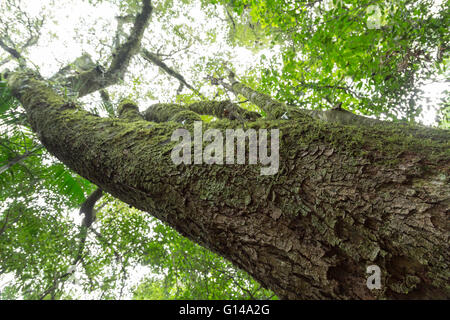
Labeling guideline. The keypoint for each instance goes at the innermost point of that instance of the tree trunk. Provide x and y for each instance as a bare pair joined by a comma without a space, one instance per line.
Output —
345,197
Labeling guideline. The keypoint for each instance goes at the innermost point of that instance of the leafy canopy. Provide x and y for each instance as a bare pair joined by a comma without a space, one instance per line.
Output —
373,56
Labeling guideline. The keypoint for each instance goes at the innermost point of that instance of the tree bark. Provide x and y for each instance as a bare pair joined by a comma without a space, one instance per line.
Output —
345,197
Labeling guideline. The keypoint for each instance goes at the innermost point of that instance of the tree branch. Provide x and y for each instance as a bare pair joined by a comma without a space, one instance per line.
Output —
33,27
153,58
96,79
273,108
343,198
278,110
162,112
19,159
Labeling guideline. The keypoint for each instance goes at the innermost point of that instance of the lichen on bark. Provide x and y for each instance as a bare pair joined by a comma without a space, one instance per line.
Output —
345,196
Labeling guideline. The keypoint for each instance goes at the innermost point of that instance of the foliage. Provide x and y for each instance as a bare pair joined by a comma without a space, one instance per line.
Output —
40,239
373,56
192,272
444,111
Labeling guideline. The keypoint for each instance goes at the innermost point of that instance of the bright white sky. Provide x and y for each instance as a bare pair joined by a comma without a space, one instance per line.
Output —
76,33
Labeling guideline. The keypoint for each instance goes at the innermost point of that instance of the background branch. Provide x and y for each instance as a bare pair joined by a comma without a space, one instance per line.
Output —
97,78
156,60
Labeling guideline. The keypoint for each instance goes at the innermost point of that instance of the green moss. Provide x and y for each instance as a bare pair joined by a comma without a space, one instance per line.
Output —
162,112
127,109
388,140
214,108
406,285
185,116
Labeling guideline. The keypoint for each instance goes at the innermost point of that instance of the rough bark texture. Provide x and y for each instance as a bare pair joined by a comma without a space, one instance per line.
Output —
162,112
344,197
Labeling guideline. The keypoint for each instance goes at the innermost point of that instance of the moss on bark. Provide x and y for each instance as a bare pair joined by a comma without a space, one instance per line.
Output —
344,197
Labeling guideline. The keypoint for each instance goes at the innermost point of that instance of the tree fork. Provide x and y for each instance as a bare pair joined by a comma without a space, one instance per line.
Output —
344,197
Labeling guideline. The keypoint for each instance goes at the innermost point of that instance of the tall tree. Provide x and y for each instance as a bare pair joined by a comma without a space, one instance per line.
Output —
349,192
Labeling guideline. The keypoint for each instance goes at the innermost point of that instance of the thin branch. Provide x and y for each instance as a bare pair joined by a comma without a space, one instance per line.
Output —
107,103
173,52
337,87
154,59
273,108
231,18
19,159
86,209
15,50
97,78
